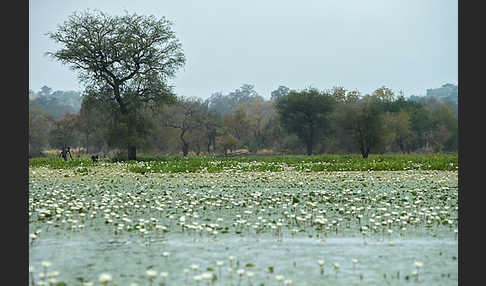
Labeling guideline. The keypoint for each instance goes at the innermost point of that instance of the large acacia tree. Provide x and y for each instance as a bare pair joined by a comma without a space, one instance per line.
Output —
364,120
125,60
306,113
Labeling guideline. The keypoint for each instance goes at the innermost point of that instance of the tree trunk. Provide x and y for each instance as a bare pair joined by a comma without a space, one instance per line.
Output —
362,150
309,147
185,146
87,143
310,140
132,152
401,145
132,149
365,152
185,149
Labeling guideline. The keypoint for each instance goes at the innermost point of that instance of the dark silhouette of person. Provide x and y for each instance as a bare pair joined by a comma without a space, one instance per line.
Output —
94,158
64,153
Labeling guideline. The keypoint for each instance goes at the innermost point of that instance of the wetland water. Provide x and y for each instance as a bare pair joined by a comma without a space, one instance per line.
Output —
87,256
286,221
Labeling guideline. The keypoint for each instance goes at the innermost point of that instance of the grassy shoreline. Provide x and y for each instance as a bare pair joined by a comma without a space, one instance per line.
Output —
176,164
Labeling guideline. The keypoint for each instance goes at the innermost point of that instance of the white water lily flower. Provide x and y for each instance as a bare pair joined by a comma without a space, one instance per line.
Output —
151,273
105,278
197,278
53,274
207,276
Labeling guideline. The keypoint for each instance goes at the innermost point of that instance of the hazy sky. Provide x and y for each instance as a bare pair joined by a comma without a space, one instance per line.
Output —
408,45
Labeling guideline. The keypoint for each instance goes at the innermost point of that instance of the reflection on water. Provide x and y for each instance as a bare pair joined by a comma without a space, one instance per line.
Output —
84,256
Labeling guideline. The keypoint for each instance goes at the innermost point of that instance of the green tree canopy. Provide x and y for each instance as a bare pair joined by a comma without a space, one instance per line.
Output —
306,113
123,59
364,120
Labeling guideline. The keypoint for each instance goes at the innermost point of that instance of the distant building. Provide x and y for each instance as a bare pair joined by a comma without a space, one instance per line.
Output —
447,90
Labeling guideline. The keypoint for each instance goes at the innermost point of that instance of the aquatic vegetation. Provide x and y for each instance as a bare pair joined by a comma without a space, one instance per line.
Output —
44,277
105,278
240,226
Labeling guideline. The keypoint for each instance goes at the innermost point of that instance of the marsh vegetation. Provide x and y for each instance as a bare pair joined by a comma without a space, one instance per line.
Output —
241,226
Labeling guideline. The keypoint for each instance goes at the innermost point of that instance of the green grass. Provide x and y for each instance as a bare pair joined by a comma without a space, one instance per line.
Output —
59,163
178,164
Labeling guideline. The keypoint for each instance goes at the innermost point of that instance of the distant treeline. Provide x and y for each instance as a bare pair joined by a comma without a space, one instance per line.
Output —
57,103
306,121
